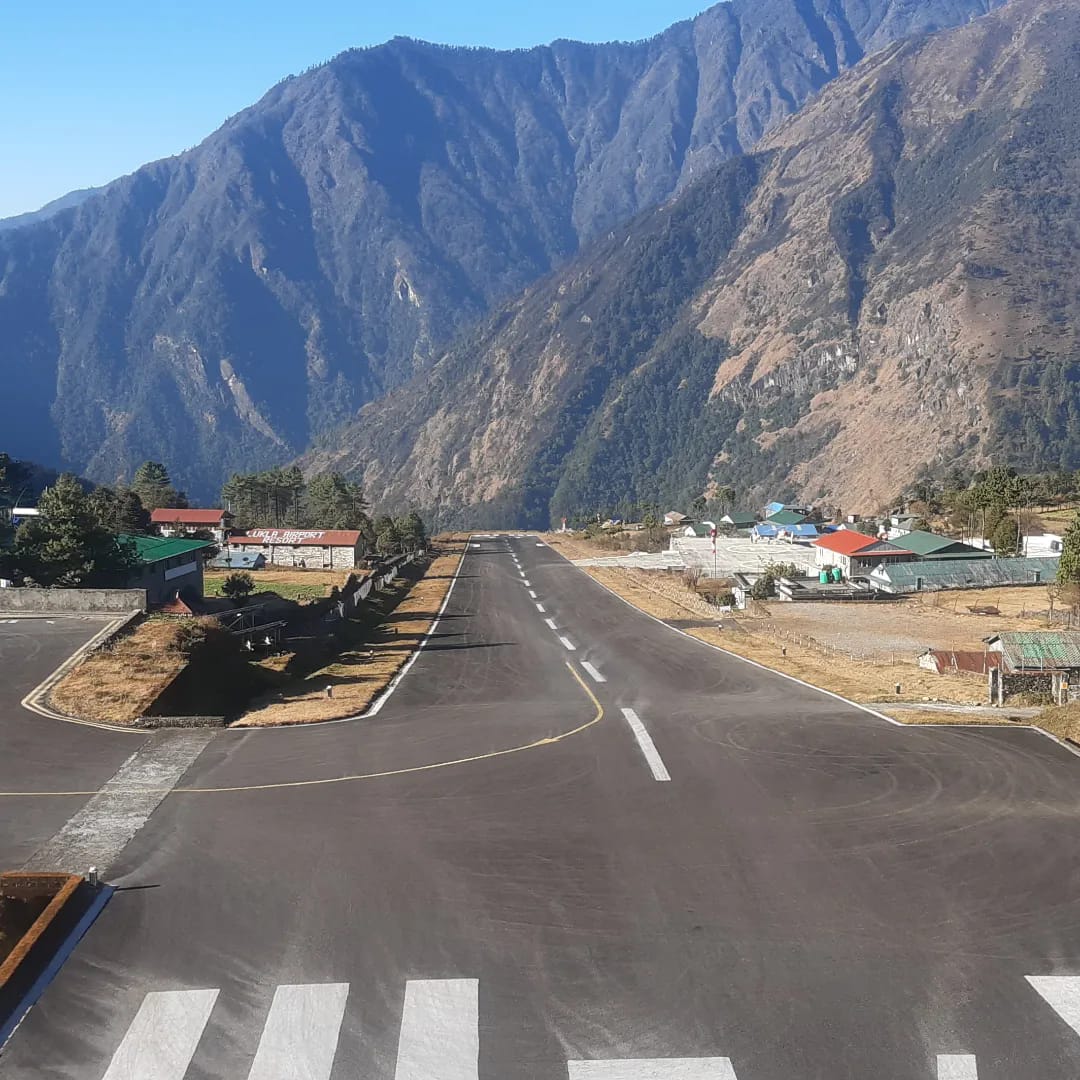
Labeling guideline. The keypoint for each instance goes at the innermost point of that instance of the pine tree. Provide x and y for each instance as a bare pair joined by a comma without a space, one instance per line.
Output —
335,503
154,487
120,510
1069,566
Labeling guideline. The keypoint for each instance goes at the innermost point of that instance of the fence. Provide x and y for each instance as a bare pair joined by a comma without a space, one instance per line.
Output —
355,592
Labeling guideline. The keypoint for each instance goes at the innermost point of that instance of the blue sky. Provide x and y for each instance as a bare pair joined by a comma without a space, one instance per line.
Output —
93,89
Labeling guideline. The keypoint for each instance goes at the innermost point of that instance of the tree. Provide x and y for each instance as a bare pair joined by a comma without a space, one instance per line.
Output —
387,537
1004,538
238,586
412,532
120,510
698,506
725,496
1069,566
154,487
273,498
335,503
66,545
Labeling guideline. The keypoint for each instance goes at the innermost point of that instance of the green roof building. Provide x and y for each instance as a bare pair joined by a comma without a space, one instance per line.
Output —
166,566
927,545
786,517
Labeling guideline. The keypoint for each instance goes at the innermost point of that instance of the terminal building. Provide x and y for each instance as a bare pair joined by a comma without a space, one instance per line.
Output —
311,549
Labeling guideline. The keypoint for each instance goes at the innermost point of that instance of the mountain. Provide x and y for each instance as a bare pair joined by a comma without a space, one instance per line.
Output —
891,279
221,309
50,209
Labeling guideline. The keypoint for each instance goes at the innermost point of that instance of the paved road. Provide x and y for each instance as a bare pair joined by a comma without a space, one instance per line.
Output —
39,753
813,893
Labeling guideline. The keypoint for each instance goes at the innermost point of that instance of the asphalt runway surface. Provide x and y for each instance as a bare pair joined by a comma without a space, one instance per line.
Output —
587,848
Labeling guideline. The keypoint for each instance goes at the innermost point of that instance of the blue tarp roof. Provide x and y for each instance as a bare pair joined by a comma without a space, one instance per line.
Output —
239,560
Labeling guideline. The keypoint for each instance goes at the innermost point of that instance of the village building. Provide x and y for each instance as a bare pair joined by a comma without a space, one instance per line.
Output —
786,517
673,517
166,566
927,545
173,522
701,530
855,553
338,549
737,520
1035,662
229,559
934,574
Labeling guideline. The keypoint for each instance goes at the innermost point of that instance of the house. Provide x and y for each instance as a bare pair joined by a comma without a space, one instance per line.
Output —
166,565
1035,661
777,507
737,520
855,553
959,662
1042,546
673,517
238,560
700,530
786,517
927,545
173,522
339,549
932,575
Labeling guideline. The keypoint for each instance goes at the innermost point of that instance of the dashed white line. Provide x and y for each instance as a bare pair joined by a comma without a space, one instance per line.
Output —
597,677
532,594
957,1067
540,608
551,624
567,643
527,583
648,748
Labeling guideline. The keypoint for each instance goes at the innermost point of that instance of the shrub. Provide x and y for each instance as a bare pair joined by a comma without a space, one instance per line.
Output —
238,586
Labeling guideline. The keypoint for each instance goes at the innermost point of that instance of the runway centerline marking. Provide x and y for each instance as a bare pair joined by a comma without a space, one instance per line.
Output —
957,1067
596,676
540,608
532,593
568,644
648,747
281,785
299,1039
161,1040
551,624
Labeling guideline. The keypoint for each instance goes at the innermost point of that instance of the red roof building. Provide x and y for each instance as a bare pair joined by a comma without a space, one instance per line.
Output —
173,520
856,553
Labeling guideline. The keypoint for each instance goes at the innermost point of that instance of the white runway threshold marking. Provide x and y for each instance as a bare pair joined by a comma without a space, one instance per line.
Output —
568,644
648,748
440,1030
596,676
1062,994
654,1069
161,1040
300,1038
957,1067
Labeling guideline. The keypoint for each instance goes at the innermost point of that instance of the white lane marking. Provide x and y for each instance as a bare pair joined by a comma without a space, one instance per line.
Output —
597,677
440,1031
957,1067
1062,994
648,748
654,1069
540,608
541,545
551,624
532,593
161,1040
522,573
568,644
300,1038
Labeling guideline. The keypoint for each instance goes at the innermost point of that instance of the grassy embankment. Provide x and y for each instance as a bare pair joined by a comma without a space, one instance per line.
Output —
300,585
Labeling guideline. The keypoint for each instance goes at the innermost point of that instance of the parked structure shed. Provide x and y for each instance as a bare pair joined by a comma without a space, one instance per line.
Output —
935,574
856,553
166,566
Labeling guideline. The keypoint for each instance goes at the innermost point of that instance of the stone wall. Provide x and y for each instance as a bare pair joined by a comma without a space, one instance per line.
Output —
72,601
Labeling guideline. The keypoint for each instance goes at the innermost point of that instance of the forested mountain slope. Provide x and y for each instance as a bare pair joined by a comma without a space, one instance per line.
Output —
220,308
892,279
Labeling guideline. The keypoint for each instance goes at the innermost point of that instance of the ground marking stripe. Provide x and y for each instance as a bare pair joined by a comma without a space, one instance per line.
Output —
551,624
957,1067
540,608
568,644
161,1040
653,1069
440,1030
648,747
549,740
300,1037
1062,994
527,583
532,593
597,677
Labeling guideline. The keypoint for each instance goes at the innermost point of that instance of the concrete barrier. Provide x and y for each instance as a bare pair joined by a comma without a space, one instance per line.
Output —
72,601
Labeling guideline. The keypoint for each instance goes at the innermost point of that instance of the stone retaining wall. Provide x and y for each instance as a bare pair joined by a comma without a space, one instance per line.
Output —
72,601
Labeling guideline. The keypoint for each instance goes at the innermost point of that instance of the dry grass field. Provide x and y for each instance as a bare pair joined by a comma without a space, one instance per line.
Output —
361,672
289,584
118,683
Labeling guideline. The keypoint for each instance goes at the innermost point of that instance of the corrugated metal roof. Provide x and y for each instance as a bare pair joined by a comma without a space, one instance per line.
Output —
964,573
188,517
786,517
152,549
927,543
1039,650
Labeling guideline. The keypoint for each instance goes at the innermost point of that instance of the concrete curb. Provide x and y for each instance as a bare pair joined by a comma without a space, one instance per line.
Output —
35,700
1074,750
